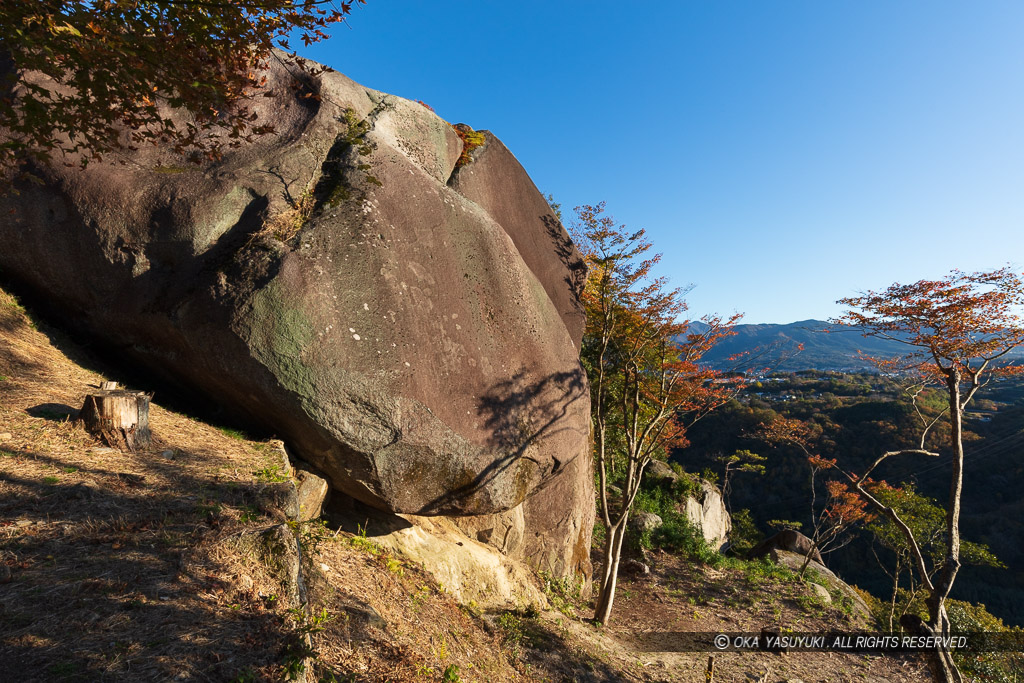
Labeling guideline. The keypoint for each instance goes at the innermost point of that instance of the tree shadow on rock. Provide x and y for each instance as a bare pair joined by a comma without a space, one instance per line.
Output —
521,413
567,253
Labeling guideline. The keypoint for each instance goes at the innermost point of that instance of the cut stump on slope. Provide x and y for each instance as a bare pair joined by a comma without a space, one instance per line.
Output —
119,417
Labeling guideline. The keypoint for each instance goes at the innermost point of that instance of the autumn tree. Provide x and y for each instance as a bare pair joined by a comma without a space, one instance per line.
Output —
958,331
841,509
642,359
89,78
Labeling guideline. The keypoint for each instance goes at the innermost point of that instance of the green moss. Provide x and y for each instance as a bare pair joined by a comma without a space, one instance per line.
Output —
270,475
524,474
281,332
332,188
471,139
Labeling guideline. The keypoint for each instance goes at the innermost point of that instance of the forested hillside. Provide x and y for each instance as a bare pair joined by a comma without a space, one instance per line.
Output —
803,345
855,418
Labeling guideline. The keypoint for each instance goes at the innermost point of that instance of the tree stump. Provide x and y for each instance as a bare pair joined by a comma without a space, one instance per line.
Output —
119,417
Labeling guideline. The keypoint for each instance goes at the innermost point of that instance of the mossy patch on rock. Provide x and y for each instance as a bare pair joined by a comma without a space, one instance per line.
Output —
281,333
471,139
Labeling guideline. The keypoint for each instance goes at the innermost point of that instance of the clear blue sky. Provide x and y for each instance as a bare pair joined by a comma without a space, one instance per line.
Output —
781,153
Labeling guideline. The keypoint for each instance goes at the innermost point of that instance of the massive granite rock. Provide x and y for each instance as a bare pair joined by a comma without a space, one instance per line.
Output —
412,330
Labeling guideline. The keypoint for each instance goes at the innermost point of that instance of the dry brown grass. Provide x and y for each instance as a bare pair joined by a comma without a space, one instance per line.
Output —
682,596
123,567
118,565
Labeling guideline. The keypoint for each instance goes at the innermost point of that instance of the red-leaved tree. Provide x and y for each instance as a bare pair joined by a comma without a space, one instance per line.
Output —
643,362
842,510
958,331
76,74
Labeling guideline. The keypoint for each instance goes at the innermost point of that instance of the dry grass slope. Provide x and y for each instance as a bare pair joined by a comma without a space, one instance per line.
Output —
129,567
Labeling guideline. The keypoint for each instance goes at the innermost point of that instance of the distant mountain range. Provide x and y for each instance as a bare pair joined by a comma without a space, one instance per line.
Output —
775,346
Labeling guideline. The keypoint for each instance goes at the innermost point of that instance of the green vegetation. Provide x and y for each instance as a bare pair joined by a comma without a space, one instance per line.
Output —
471,139
926,520
231,433
271,474
763,571
513,634
564,593
360,541
745,534
995,667
855,417
312,535
299,651
334,187
169,169
646,380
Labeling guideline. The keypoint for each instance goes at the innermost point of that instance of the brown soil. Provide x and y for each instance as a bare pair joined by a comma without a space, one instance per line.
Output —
684,597
119,563
124,567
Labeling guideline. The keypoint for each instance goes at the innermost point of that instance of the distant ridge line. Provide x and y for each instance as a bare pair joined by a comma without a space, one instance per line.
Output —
775,345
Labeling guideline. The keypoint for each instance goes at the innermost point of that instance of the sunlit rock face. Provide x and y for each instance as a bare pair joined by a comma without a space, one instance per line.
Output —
412,329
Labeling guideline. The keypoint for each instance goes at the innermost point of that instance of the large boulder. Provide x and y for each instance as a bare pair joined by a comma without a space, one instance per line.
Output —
788,540
498,184
551,530
411,330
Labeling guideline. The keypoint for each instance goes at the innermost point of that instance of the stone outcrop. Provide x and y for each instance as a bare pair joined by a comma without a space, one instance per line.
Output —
822,576
788,540
708,512
641,522
551,530
488,571
660,473
469,570
705,509
411,330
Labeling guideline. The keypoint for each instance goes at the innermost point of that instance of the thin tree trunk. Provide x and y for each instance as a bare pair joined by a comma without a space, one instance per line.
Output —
807,561
938,619
947,575
895,592
610,571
